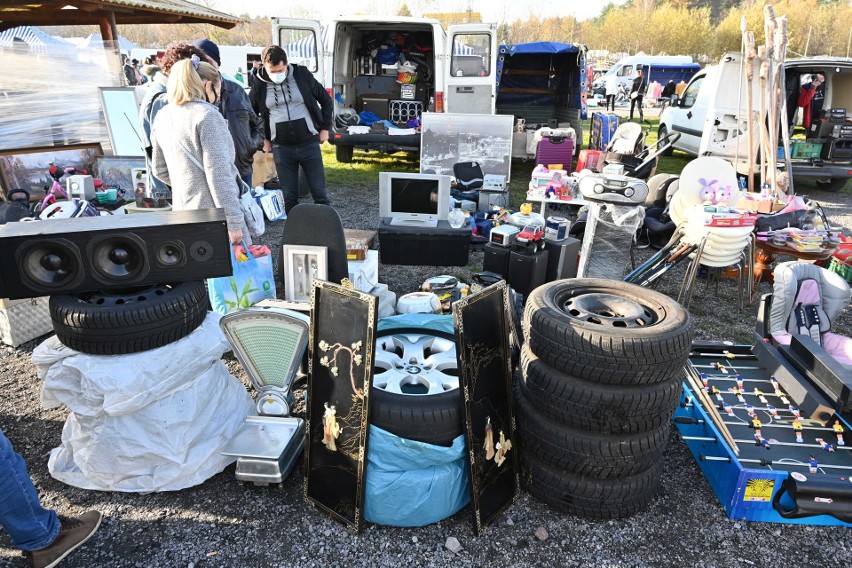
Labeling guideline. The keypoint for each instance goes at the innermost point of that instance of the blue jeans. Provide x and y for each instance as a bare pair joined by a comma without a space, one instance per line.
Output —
288,158
29,524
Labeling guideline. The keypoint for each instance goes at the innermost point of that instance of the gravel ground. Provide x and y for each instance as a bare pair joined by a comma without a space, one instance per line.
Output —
223,524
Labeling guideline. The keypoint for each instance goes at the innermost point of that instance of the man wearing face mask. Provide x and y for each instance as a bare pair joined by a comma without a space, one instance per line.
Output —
296,112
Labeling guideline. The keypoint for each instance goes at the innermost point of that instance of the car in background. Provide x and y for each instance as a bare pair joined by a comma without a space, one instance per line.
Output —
707,115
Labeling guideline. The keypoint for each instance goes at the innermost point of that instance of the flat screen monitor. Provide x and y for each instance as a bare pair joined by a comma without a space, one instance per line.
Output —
414,199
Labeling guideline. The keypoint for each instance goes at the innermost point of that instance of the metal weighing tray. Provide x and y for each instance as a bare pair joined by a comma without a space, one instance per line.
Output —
266,448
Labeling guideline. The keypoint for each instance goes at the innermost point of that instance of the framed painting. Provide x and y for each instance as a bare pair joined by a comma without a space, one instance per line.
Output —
451,138
118,171
303,265
340,374
483,324
29,168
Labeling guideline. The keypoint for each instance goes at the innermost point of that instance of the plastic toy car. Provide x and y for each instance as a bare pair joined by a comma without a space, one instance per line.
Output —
530,238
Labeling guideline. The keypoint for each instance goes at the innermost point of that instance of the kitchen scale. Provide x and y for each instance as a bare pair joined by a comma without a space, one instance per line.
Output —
269,341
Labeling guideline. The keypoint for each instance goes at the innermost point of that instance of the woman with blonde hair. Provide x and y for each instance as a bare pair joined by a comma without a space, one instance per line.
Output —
193,150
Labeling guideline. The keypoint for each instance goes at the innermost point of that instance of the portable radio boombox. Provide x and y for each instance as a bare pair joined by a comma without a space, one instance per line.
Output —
614,189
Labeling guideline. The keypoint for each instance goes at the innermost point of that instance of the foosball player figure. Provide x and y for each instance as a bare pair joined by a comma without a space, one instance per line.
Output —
756,424
729,355
825,445
727,408
764,442
773,411
775,385
715,390
838,431
797,428
704,380
759,394
739,392
795,411
813,464
783,397
739,382
750,409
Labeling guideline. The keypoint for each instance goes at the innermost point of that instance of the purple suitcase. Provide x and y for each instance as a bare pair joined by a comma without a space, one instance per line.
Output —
555,150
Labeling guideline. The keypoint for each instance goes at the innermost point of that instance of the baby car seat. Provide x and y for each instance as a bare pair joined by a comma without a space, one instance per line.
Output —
805,299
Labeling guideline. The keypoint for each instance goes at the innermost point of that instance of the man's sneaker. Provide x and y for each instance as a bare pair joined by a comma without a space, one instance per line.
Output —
72,533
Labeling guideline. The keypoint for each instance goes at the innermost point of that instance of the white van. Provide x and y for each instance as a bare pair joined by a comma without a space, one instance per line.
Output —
625,70
708,116
363,68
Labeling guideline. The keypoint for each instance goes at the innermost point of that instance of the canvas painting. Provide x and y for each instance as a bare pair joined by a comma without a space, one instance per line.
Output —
29,169
452,138
117,171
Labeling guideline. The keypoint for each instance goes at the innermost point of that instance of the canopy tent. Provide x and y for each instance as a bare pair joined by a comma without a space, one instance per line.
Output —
124,44
37,40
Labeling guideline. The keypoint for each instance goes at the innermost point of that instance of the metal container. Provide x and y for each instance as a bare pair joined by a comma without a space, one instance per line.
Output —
266,448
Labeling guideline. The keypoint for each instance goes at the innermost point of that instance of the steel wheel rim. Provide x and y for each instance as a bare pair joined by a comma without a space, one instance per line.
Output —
415,364
609,310
125,296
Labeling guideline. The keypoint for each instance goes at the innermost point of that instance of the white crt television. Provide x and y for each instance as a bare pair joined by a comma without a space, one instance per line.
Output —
414,200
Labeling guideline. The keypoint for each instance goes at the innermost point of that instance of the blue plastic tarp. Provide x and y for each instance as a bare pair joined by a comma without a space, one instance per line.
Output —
534,47
413,484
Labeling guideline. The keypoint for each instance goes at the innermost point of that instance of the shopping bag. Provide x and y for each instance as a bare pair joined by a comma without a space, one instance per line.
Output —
251,282
252,211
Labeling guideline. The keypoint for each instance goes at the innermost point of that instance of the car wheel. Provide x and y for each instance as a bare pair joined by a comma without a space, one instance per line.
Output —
662,132
607,331
415,392
833,185
590,497
128,321
344,152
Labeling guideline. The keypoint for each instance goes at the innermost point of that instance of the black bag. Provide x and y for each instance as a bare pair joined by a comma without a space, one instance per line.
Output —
780,221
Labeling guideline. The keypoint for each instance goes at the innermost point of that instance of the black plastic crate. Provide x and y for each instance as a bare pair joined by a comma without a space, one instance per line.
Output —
428,246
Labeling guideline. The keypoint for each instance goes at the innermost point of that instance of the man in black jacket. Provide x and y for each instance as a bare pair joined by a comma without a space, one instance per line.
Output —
244,124
296,112
637,91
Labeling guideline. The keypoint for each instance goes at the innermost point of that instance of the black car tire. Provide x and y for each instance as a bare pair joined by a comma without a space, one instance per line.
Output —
608,331
583,453
595,407
116,323
833,185
589,497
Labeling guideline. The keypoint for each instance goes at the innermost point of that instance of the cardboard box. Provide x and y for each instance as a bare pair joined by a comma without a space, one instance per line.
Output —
358,242
752,202
24,320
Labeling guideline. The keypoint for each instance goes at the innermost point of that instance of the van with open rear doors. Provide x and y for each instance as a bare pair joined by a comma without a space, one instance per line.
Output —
396,68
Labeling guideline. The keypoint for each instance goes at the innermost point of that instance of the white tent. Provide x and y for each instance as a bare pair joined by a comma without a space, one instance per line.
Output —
37,40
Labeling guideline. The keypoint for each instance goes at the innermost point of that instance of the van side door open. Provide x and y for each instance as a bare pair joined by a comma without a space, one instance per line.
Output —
470,80
301,40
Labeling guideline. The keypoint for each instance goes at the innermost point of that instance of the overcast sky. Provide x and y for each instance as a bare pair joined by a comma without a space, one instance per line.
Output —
491,10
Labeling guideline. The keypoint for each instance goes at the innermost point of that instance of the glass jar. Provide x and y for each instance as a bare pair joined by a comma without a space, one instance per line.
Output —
456,218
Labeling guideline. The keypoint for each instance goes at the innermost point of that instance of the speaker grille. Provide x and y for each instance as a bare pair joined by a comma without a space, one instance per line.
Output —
51,265
201,251
117,259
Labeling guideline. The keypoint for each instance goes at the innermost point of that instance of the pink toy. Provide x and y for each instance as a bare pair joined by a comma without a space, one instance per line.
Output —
708,192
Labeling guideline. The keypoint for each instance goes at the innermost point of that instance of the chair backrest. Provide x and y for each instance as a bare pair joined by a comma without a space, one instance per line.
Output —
310,224
468,175
833,294
708,172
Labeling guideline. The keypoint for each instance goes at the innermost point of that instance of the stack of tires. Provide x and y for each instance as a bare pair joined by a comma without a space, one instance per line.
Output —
601,370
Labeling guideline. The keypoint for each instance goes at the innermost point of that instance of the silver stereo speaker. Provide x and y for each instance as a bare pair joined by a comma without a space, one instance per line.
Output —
610,188
81,187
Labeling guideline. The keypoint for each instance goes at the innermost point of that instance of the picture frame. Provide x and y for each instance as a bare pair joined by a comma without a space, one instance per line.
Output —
340,375
121,114
118,171
27,168
450,138
302,265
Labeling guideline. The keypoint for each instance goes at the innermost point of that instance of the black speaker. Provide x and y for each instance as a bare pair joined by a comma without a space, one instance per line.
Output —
496,259
562,258
527,271
63,256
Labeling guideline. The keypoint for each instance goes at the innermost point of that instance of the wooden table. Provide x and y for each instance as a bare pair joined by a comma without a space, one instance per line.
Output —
764,259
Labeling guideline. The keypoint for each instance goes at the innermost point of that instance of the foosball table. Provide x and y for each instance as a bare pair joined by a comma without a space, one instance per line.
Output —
767,456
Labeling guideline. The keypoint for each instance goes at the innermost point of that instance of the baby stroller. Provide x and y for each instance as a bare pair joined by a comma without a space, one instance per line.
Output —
641,162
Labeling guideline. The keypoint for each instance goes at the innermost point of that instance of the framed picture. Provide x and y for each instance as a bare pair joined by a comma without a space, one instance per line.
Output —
29,168
118,171
452,138
340,374
303,265
121,113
